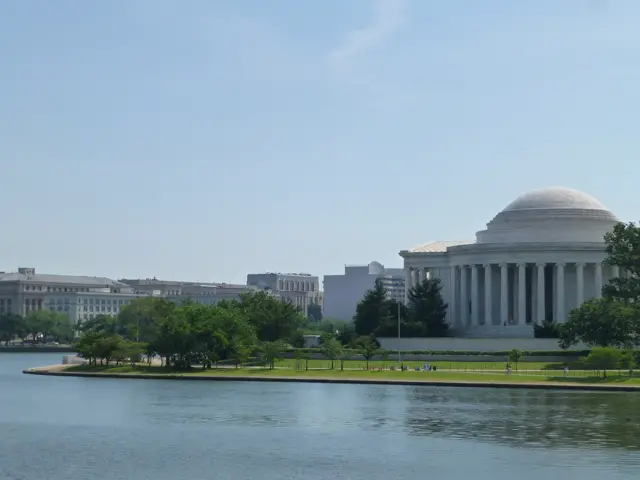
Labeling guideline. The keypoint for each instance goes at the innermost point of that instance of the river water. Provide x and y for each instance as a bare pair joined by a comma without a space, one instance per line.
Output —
109,429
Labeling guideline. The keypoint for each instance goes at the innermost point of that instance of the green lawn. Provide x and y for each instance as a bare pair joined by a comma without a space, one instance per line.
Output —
442,365
440,375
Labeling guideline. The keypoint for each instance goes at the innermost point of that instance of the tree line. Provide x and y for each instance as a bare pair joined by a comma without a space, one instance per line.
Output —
191,333
423,316
37,326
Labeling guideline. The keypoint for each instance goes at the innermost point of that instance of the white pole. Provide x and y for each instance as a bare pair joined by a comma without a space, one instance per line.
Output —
398,332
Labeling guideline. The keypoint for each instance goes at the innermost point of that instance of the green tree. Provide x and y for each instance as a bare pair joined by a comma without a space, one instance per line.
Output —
368,346
315,312
11,326
128,350
98,346
629,360
41,324
140,319
604,358
373,310
182,336
101,323
428,309
242,335
85,346
331,348
623,250
208,335
515,356
174,340
343,356
601,322
271,352
272,318
389,325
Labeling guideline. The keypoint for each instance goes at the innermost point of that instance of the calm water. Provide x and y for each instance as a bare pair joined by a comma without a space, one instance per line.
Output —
73,428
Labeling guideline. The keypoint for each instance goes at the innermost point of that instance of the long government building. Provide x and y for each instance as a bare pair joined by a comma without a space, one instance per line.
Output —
83,297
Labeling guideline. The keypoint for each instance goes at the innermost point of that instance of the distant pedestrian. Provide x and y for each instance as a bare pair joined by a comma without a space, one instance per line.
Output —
566,371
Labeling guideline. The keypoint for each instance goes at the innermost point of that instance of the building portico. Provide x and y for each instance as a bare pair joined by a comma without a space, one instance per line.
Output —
538,259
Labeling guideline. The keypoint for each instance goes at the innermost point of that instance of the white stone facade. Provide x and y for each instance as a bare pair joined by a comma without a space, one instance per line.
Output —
343,292
301,289
537,259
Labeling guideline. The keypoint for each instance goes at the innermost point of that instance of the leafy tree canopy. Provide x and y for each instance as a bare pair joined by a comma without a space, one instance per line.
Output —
603,358
191,333
623,250
273,319
601,322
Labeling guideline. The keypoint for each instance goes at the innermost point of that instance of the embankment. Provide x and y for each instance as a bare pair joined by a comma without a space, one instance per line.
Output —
435,379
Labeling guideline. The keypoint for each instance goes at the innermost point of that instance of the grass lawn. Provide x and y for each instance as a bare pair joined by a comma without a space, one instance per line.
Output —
442,365
585,377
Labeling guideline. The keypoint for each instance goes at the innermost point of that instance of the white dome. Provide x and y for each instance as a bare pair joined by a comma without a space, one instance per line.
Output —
550,215
555,197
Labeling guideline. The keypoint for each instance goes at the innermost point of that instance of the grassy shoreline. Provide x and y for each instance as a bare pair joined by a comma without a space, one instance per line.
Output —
615,382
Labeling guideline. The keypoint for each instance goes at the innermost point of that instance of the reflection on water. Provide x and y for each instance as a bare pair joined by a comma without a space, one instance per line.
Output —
528,418
135,429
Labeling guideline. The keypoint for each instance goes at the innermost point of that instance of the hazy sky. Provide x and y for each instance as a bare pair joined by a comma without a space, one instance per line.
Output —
206,139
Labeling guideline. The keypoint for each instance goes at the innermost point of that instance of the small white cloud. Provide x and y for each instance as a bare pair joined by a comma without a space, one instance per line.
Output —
388,16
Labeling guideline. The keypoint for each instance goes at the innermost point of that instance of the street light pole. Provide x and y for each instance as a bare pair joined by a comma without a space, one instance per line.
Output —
399,332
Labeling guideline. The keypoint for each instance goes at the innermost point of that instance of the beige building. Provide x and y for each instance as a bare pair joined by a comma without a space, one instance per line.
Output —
301,289
79,297
178,291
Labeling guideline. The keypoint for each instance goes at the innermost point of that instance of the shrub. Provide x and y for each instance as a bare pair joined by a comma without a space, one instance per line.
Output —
546,329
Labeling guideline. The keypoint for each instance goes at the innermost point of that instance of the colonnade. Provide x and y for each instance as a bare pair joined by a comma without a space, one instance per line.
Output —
528,292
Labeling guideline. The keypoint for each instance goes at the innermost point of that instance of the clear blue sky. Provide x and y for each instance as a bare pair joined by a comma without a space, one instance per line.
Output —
203,140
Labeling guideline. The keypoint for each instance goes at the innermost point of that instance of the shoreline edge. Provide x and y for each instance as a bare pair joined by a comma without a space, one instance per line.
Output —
59,371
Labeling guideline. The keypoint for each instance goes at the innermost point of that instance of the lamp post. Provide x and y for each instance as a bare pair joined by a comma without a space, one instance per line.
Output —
399,359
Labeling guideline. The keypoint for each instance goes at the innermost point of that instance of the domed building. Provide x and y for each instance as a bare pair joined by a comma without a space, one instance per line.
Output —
536,260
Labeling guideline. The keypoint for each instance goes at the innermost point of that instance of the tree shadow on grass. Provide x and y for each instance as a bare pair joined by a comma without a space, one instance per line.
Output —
574,365
597,379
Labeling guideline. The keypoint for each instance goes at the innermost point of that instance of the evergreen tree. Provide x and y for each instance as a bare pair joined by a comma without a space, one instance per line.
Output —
427,309
372,311
389,326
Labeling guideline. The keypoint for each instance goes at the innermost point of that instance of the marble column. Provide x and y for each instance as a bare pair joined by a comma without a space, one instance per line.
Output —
560,307
453,296
504,294
407,283
488,310
419,275
540,295
579,284
464,297
598,280
475,299
522,294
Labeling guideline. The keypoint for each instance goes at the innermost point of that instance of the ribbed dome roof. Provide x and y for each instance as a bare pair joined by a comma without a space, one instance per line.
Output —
552,215
555,198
